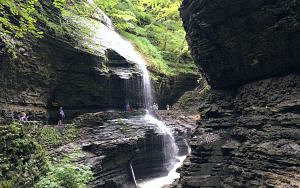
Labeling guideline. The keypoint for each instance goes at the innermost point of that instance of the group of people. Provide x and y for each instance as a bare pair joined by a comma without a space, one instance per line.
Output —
60,116
153,107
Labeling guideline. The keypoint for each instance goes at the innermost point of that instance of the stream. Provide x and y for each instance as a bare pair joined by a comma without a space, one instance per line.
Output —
172,160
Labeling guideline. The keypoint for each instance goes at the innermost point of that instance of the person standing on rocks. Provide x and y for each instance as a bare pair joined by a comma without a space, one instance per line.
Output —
60,116
23,118
127,107
168,109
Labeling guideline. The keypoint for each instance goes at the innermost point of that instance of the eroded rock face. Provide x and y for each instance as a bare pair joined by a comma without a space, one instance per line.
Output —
112,144
169,89
248,137
235,42
249,132
49,73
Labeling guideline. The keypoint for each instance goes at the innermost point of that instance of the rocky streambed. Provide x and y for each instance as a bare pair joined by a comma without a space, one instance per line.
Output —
111,141
248,136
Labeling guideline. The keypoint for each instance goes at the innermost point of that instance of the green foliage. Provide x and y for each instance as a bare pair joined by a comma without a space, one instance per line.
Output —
17,18
151,53
59,4
155,27
55,136
21,17
66,173
22,159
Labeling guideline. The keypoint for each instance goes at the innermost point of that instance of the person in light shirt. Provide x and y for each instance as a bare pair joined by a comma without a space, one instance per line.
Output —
23,118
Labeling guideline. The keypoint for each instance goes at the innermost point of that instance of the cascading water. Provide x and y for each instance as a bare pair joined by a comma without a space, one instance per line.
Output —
170,147
107,37
165,180
172,162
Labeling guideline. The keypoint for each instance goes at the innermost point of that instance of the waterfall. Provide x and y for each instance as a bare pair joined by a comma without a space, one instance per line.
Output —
109,39
170,147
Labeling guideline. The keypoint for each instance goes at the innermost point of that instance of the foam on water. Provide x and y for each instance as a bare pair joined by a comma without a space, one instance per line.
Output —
165,180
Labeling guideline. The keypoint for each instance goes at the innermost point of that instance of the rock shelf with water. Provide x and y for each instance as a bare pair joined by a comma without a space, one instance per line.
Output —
111,144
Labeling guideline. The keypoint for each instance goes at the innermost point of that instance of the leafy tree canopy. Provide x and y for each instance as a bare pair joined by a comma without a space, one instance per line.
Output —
18,17
156,29
154,26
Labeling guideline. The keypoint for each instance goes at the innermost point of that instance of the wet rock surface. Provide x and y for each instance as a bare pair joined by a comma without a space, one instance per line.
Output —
235,42
167,90
248,137
51,72
182,126
113,140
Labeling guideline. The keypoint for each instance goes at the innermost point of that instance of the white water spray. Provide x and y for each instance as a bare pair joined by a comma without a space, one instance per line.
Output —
170,147
108,38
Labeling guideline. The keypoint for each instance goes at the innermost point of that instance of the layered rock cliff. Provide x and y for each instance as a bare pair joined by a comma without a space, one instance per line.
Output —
112,141
247,137
87,68
51,71
235,42
169,89
249,132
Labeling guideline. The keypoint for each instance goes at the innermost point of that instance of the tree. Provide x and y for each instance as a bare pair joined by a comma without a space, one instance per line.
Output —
155,27
17,18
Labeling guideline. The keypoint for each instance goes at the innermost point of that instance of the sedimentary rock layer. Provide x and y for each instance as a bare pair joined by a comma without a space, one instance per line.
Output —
49,73
247,137
249,132
169,89
112,144
235,42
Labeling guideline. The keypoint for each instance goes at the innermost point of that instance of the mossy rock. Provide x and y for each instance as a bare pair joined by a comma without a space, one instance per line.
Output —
22,159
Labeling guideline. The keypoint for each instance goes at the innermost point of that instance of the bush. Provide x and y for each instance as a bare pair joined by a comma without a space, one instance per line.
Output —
66,173
22,159
51,137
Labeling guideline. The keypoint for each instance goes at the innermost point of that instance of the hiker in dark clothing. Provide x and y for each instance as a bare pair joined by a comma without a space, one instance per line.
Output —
60,116
127,107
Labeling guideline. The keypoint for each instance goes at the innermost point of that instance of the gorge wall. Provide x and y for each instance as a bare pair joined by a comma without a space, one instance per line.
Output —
111,141
79,71
235,42
49,72
249,132
169,89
